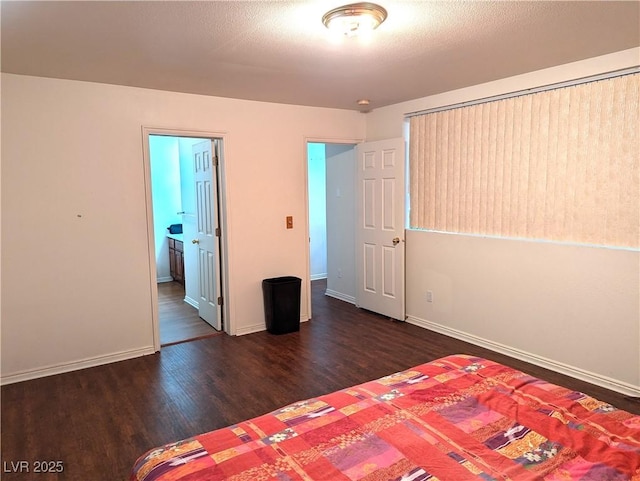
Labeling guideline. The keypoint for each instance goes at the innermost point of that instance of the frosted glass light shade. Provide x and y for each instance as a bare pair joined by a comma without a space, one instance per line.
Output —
355,19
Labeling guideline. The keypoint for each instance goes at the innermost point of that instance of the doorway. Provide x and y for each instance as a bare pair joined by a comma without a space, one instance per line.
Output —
185,218
331,218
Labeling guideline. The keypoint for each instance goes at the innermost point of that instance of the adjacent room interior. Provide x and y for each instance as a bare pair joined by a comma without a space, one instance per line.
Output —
331,194
175,217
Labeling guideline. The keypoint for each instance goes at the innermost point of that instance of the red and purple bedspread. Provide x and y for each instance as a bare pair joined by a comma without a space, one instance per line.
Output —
457,418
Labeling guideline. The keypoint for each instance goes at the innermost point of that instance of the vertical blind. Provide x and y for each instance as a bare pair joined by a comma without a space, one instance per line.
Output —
560,165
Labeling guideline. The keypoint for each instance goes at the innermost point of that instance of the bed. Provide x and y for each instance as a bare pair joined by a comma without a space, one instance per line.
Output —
457,418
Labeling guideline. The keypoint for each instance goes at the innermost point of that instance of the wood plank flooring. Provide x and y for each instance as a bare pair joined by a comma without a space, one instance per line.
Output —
97,421
179,321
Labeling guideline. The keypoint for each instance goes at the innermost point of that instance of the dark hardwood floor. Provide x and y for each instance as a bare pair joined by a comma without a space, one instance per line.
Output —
97,421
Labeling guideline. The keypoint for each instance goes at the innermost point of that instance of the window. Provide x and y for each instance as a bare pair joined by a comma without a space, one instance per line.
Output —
560,165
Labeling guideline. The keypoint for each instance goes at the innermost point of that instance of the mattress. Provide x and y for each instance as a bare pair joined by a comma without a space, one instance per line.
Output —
456,418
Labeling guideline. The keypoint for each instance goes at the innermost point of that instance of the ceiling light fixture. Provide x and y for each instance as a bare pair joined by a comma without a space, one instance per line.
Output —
355,18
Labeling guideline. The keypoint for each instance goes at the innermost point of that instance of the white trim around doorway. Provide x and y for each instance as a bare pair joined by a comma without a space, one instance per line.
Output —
229,327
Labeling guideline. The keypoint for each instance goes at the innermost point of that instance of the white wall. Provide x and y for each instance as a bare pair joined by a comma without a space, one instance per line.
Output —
165,188
74,227
341,221
572,308
317,210
569,305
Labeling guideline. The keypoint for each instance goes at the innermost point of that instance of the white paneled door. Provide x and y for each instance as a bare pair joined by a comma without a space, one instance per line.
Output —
380,247
205,164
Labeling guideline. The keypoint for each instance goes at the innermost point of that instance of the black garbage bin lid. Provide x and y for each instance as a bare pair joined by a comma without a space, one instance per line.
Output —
281,280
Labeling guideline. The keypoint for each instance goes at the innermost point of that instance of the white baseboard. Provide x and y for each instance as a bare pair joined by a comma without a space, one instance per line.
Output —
250,329
192,302
317,277
259,327
591,377
160,280
74,365
339,295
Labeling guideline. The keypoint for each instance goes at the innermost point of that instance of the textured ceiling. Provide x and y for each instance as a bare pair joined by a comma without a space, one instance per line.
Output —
279,51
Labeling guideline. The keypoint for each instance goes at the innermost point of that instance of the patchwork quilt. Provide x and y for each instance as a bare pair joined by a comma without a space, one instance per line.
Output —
457,418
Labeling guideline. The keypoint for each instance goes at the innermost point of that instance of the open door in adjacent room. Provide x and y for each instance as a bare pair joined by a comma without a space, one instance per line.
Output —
380,226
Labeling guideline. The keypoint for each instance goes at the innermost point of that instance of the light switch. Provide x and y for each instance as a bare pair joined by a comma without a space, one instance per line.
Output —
289,222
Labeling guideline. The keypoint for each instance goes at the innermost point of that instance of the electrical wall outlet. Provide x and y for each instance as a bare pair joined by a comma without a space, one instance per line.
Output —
429,296
339,273
289,222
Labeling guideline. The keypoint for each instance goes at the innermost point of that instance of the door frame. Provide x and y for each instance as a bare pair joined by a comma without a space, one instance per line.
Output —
222,208
318,140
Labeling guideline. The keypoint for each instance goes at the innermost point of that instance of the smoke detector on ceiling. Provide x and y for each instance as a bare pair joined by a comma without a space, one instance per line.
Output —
364,105
355,18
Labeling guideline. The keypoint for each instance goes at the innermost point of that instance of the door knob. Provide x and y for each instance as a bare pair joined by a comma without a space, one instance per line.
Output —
396,241
195,241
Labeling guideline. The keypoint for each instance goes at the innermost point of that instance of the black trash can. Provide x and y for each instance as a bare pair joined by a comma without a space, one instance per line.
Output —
282,304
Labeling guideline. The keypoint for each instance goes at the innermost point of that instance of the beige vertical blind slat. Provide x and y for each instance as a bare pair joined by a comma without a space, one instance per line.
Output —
559,165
